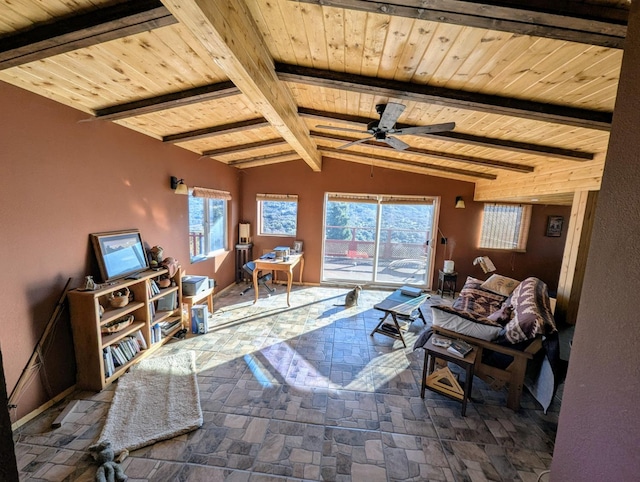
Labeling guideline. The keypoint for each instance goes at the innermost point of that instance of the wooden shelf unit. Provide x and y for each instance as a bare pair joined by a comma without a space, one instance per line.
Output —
86,323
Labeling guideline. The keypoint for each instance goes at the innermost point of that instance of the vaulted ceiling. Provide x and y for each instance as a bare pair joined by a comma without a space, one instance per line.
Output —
531,86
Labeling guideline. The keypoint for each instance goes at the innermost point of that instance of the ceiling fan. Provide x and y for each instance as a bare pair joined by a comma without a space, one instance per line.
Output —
381,130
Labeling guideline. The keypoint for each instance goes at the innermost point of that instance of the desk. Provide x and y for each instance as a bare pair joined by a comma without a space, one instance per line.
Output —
276,265
398,304
192,300
430,379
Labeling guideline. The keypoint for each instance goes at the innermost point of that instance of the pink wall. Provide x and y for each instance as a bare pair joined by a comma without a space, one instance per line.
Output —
460,226
599,428
63,179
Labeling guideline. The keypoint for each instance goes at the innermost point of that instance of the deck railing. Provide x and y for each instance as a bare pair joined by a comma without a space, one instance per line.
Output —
389,250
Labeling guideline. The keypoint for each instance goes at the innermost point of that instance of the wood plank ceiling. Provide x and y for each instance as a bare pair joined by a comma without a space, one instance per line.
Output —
531,87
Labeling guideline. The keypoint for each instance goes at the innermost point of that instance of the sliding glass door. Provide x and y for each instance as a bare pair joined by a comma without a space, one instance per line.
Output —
376,239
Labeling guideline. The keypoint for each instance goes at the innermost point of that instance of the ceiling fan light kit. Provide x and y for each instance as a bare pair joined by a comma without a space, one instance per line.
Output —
380,130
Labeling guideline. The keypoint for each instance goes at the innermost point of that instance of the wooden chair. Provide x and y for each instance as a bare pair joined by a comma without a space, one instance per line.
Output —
512,376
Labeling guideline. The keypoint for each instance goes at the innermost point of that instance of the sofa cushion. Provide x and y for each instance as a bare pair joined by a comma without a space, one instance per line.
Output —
500,284
531,312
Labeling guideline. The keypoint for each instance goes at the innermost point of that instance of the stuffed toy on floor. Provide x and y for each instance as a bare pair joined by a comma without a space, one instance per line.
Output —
109,470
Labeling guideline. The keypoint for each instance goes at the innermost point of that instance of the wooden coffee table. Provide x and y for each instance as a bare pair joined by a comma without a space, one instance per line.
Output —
397,304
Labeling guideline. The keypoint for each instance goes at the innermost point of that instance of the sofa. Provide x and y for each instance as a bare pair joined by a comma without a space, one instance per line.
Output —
511,322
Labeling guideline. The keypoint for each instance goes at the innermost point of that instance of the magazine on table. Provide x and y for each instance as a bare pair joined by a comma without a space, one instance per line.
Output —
459,348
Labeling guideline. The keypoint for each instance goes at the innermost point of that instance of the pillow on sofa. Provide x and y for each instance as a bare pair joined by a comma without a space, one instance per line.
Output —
474,298
500,284
503,315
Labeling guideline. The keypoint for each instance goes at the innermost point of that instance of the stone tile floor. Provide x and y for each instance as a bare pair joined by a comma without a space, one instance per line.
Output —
305,393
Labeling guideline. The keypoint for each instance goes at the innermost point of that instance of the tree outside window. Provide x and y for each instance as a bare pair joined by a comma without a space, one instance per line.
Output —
207,227
278,218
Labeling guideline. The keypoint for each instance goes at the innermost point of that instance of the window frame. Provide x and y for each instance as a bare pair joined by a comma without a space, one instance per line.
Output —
522,223
261,199
206,225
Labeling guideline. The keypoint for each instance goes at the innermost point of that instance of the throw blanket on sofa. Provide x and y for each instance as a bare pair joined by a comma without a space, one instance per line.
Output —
532,314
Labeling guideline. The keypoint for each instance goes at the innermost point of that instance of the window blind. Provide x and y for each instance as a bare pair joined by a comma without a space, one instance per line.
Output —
505,226
211,193
277,197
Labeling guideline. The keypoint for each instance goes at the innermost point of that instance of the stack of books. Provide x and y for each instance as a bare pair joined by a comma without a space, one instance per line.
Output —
167,326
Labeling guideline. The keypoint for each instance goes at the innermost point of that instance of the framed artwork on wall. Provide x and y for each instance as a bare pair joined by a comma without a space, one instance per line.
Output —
554,226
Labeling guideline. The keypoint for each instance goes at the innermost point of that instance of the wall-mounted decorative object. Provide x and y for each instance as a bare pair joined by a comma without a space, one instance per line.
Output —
178,186
554,226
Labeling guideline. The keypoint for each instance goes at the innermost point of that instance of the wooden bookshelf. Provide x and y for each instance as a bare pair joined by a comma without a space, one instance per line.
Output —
86,323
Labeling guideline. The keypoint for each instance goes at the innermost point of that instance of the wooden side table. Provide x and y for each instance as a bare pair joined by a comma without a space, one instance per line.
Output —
447,283
442,381
194,300
244,254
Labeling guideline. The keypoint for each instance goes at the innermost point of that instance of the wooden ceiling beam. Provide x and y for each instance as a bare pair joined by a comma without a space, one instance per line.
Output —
510,166
462,138
84,30
216,130
491,104
404,164
265,159
244,147
168,101
517,20
616,13
227,31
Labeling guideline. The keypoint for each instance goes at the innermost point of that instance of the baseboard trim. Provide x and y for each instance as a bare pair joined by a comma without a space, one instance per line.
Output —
31,415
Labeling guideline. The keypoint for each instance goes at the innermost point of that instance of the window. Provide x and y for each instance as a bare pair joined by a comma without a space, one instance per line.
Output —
505,226
207,223
277,214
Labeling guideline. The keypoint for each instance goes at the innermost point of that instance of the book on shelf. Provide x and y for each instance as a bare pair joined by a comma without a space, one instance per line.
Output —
140,339
123,352
167,326
118,358
459,348
155,289
109,367
156,334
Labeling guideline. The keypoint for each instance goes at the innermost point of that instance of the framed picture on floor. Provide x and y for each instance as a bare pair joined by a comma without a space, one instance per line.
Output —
554,226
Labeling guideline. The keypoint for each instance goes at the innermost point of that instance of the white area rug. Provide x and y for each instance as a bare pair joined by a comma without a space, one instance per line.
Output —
158,399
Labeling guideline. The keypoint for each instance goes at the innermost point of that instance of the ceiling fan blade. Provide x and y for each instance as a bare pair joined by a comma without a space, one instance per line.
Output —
396,143
390,115
353,143
345,129
447,126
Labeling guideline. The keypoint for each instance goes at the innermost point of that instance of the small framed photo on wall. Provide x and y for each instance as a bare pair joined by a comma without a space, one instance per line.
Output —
554,226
